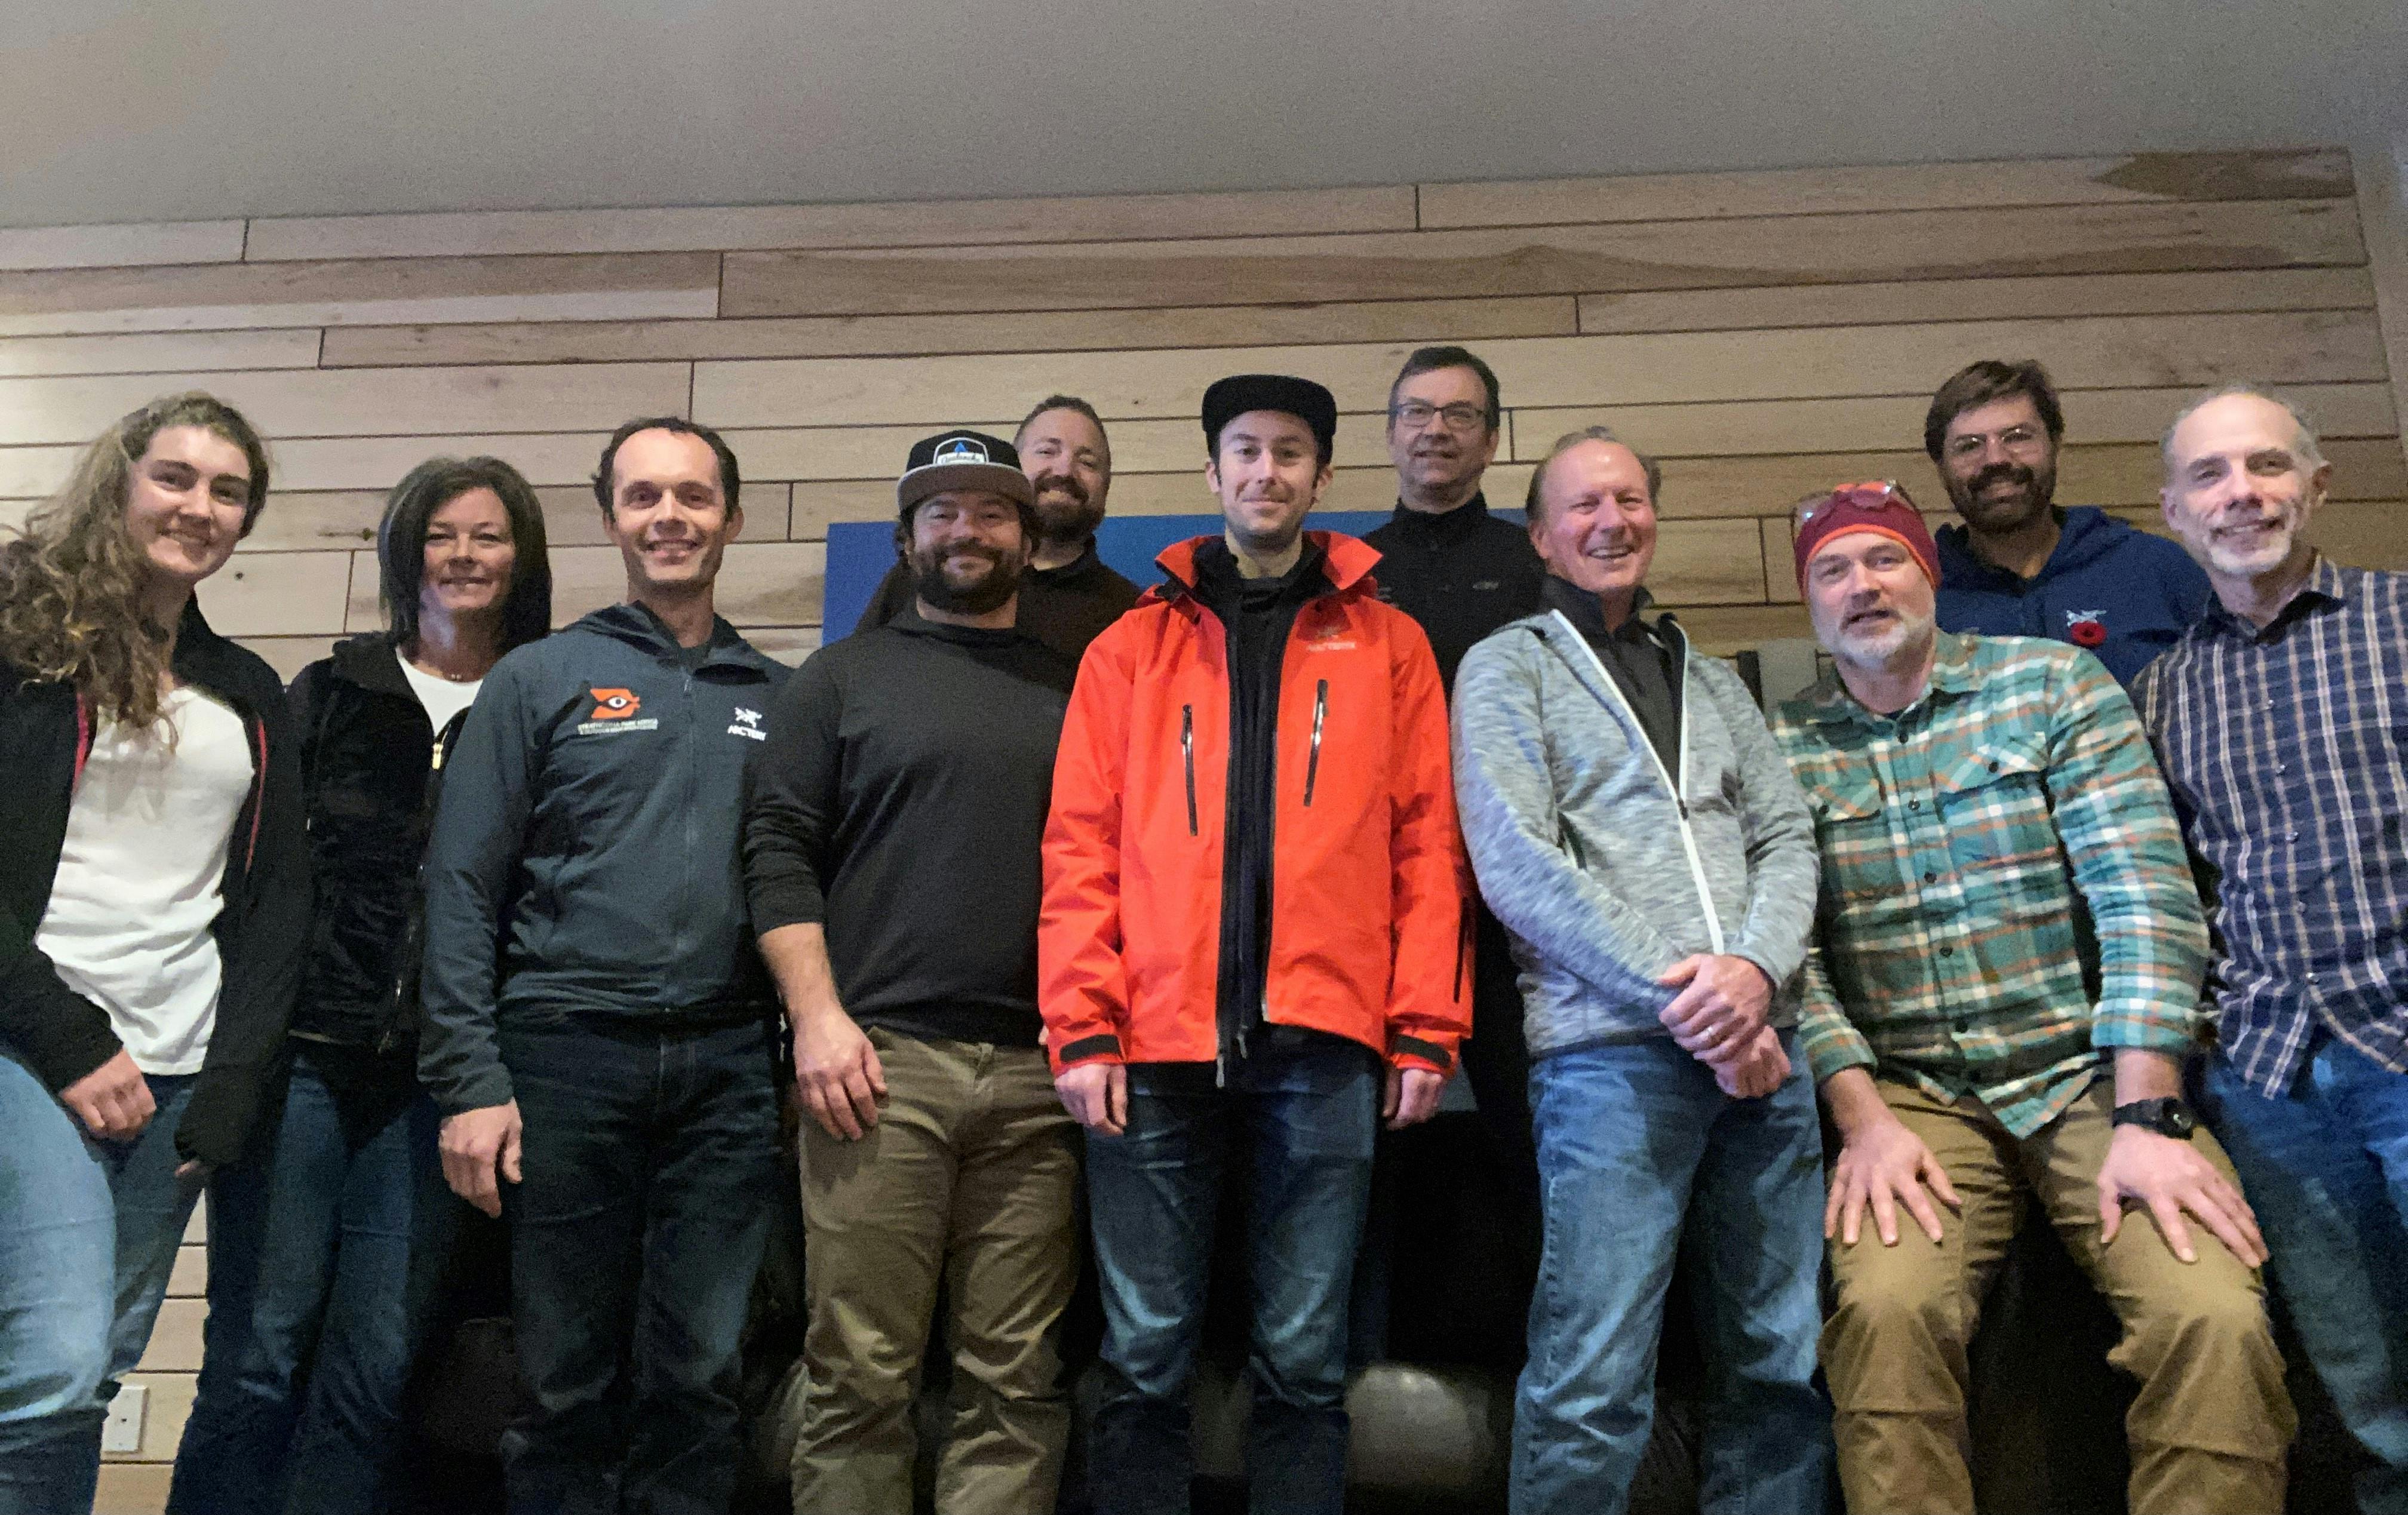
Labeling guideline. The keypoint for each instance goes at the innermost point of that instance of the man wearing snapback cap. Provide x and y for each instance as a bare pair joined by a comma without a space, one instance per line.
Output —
1980,1051
1256,943
891,859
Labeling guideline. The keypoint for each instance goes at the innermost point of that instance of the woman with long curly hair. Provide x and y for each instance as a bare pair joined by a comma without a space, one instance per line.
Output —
153,894
342,1233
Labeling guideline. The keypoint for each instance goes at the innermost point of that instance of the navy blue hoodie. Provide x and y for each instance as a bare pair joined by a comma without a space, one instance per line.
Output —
584,855
2109,587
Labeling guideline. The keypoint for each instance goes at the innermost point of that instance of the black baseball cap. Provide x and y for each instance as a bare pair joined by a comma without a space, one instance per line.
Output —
1231,397
963,460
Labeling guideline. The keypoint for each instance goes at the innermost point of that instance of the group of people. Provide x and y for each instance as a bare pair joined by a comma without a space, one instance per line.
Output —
1061,908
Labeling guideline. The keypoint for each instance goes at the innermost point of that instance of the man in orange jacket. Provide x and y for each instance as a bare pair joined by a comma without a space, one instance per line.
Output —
1256,943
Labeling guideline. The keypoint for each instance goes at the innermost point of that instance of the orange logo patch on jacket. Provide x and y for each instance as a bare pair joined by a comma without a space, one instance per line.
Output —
615,703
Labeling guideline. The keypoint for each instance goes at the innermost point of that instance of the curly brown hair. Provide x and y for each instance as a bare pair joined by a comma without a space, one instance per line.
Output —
71,583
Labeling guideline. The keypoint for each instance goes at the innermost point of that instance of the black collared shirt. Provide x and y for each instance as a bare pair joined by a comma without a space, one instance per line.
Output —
1461,574
1640,657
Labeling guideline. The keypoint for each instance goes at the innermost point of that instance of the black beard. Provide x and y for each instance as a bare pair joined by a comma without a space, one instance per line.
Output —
1069,520
928,582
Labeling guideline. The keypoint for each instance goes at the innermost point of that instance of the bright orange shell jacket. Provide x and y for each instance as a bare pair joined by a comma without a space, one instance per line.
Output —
1370,889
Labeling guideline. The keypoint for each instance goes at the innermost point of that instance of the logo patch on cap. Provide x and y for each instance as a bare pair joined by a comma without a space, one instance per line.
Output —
962,450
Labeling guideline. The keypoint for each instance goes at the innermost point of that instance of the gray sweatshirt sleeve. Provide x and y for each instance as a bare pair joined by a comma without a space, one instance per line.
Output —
1506,800
1784,869
480,825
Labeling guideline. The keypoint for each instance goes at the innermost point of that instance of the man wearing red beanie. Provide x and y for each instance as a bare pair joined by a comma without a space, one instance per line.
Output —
1979,1053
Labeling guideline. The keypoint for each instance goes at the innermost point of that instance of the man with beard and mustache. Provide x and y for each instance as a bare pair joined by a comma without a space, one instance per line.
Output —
892,861
1254,946
2021,566
2283,724
2004,987
598,1029
1636,831
1067,594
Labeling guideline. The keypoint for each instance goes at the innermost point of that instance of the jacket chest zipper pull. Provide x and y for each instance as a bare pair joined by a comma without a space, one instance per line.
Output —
1187,757
1313,762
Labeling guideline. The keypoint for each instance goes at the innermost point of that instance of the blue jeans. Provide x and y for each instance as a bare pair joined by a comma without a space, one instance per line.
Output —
323,1260
1644,1162
650,1163
1300,1112
2326,1169
88,1235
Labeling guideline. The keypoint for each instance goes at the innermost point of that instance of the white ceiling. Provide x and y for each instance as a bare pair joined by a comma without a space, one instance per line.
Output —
119,110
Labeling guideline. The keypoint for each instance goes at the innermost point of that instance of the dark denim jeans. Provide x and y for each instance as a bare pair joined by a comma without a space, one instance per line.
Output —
1643,1164
323,1261
1300,1114
2326,1169
649,1165
88,1234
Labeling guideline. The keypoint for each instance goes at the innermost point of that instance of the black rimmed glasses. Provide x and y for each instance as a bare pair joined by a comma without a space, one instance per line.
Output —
1459,417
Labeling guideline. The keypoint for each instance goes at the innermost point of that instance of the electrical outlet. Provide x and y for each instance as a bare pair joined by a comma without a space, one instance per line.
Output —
123,1430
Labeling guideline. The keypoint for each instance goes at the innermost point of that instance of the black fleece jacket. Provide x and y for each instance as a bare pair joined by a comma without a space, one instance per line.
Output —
900,804
1461,575
45,733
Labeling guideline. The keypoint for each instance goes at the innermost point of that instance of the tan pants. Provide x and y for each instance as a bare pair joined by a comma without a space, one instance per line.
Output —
969,1179
2211,1425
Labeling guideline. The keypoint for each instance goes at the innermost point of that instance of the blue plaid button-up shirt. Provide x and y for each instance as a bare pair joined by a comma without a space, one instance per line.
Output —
2287,753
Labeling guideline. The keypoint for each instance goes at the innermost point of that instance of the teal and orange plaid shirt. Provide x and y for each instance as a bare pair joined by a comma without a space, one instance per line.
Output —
2005,893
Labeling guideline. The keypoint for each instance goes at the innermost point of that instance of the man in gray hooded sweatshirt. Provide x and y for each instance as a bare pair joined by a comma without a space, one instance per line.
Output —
1636,829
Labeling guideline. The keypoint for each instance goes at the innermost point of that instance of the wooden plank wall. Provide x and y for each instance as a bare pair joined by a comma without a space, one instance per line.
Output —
1766,332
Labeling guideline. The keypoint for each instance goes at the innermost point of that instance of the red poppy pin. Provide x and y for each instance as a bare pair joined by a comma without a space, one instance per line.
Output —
2085,628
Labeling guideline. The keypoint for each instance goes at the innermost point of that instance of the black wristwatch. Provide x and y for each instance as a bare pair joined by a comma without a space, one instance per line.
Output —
2169,1117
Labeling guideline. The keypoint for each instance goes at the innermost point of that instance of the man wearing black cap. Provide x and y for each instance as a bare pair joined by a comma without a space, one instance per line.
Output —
1256,943
1068,594
891,852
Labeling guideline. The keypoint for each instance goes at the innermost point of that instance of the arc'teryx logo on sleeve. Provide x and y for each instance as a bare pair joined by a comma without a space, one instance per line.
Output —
614,709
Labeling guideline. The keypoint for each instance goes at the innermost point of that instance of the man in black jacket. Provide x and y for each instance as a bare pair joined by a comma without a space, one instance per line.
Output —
1067,596
1462,573
597,1025
890,851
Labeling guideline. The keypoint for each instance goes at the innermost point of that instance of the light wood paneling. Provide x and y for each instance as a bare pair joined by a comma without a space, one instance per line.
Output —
1561,260
1064,331
2049,297
279,595
373,402
891,224
175,1340
1725,630
2106,352
154,353
1764,334
121,246
379,293
1865,425
132,1488
2196,175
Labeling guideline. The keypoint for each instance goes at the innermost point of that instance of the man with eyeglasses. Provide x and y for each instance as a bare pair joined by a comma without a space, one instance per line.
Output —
1462,573
2021,566
2003,986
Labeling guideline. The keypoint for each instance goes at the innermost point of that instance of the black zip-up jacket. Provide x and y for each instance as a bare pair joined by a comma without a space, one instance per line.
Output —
1462,575
45,735
370,758
585,856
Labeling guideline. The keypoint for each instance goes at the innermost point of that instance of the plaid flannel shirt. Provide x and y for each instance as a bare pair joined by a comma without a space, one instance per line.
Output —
2287,749
2005,894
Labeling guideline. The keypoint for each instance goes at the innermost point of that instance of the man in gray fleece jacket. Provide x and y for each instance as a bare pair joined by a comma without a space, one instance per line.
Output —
1640,838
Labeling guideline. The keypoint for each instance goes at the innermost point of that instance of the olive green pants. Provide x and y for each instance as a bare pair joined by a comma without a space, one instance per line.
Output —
2212,1421
967,1180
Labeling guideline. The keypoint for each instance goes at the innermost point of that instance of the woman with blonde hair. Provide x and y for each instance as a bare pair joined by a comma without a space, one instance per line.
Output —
334,1244
154,900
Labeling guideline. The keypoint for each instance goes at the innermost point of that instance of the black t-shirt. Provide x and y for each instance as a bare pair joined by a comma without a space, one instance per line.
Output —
901,801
